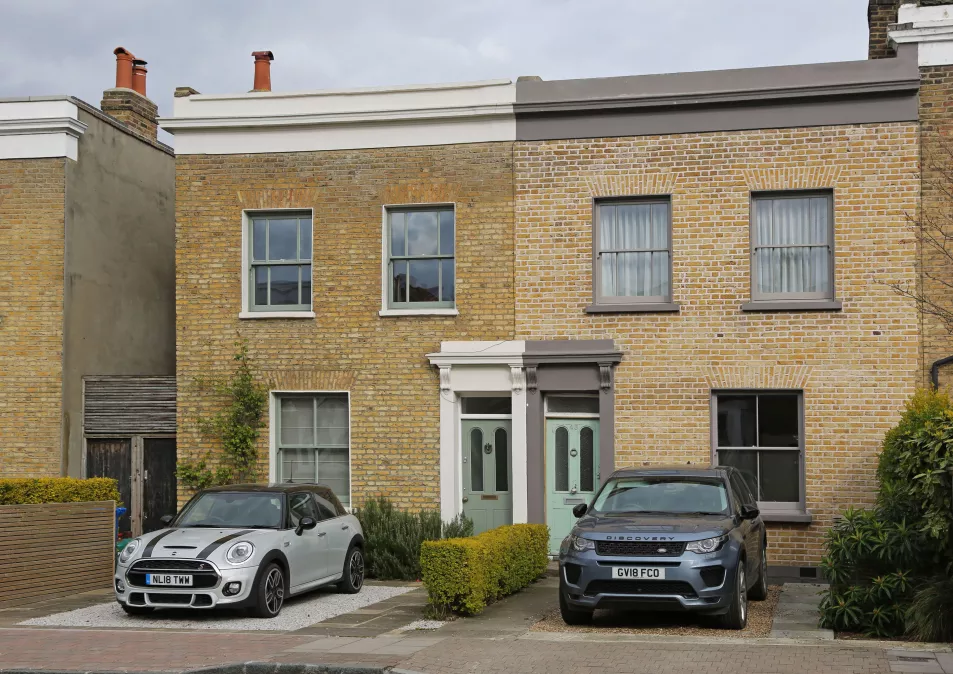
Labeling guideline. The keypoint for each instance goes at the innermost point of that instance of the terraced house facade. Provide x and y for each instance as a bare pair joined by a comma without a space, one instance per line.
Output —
484,297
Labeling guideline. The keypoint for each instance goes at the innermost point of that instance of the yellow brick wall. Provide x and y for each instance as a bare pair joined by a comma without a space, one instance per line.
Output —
32,193
348,346
856,367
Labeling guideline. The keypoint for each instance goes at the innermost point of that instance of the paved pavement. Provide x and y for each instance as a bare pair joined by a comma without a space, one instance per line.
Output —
797,613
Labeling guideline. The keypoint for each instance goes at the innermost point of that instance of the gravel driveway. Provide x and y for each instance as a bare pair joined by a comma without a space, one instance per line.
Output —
297,613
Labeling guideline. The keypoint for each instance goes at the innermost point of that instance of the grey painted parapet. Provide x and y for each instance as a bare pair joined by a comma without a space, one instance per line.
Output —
850,92
119,294
566,366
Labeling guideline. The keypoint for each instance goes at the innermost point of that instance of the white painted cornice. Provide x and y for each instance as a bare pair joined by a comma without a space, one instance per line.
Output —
67,125
931,28
40,128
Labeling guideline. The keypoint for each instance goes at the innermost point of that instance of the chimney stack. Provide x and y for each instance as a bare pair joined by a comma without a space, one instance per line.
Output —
263,61
880,15
127,102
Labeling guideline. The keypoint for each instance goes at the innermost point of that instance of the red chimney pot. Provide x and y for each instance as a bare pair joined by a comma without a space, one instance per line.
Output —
124,59
139,76
263,61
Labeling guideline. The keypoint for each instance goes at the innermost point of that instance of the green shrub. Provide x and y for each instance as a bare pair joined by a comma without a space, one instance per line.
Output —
463,575
888,566
58,490
392,537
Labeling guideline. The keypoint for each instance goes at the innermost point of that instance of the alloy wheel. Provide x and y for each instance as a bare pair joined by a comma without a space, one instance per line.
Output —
274,591
742,591
356,569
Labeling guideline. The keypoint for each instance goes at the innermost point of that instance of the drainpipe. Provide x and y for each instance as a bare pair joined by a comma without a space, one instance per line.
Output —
935,371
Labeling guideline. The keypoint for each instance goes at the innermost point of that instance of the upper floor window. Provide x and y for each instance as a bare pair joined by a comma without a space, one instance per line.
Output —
280,261
634,252
792,247
420,262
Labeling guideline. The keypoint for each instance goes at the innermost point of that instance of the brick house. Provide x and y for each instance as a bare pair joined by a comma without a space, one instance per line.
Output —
86,285
486,296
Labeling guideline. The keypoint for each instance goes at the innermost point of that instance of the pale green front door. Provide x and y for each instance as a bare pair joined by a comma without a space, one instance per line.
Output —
487,473
572,472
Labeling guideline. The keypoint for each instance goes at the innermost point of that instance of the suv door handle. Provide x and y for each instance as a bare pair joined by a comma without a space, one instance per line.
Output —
322,533
345,526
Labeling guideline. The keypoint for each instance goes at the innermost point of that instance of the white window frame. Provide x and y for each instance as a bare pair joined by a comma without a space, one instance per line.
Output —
385,310
273,412
246,310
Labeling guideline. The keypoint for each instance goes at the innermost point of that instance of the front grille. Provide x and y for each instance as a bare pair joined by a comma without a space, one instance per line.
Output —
639,587
137,598
640,548
202,600
168,598
203,574
713,576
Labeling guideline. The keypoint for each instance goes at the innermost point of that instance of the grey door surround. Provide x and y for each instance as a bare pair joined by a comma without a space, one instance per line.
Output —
566,366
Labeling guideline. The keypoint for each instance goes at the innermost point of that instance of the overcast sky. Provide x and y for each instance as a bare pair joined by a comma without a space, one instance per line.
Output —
65,46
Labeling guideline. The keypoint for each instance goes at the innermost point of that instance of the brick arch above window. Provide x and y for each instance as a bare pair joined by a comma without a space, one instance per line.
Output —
310,380
632,184
277,199
757,376
770,178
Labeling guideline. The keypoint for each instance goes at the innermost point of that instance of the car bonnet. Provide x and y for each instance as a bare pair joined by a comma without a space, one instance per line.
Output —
197,543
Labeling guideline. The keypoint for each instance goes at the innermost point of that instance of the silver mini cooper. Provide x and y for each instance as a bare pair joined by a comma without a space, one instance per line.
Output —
243,546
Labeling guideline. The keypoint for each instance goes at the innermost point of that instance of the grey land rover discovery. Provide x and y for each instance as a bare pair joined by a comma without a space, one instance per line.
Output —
661,539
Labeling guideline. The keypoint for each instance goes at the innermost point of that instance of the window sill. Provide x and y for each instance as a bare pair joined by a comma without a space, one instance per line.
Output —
633,308
417,312
275,314
790,516
793,305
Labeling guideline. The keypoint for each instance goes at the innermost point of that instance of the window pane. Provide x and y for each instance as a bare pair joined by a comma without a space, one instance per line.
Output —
778,421
261,286
332,421
399,281
447,281
421,233
476,460
572,405
609,270
259,234
501,450
803,222
284,285
487,405
297,465
745,461
780,476
794,270
301,505
446,232
334,472
607,227
423,281
305,226
297,421
397,237
562,459
736,421
306,284
283,239
641,274
587,471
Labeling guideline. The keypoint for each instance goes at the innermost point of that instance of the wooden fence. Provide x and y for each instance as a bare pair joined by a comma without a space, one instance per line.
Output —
56,549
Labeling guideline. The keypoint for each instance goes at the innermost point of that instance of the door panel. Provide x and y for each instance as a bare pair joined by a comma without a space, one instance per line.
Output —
308,553
338,534
158,482
487,473
572,472
113,458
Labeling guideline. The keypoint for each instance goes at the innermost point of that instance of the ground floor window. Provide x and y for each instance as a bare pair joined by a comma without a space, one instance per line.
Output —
760,434
313,441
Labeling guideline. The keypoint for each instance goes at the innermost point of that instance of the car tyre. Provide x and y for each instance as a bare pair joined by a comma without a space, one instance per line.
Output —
572,616
352,579
137,610
270,592
737,616
759,591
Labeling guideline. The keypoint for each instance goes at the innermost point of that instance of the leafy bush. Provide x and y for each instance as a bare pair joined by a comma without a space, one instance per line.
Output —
890,567
463,575
58,490
393,537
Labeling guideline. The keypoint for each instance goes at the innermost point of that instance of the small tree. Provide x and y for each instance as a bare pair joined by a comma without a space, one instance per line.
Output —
236,428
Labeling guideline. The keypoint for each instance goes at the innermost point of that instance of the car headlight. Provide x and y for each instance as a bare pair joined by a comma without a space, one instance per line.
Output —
240,552
129,551
707,545
580,544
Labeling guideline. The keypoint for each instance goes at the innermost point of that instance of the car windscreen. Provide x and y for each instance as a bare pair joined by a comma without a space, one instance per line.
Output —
245,510
676,495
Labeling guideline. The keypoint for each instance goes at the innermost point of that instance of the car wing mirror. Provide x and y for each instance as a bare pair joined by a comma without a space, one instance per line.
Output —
166,520
749,512
580,510
305,523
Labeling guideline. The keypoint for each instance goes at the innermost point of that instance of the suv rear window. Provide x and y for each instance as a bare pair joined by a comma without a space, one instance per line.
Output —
652,494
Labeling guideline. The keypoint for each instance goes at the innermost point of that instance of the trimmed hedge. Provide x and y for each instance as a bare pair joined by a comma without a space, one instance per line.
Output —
463,575
17,491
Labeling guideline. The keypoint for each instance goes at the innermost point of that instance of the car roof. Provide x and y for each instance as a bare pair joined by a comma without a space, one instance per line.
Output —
679,470
281,487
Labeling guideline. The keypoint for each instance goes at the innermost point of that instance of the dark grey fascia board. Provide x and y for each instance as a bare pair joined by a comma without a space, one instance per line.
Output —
573,358
633,308
571,352
793,305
